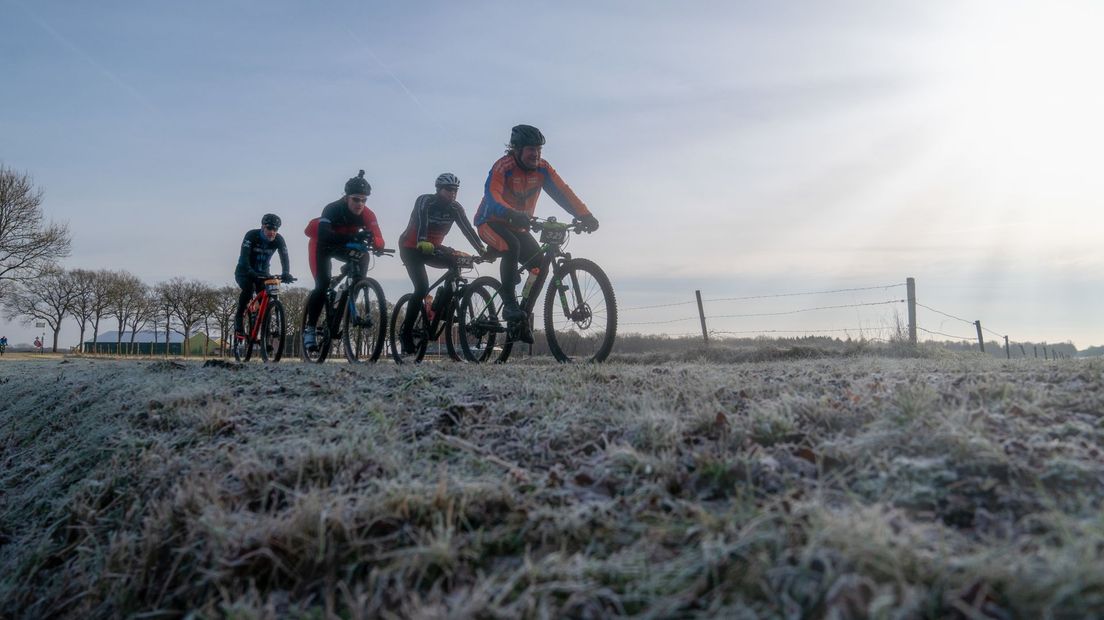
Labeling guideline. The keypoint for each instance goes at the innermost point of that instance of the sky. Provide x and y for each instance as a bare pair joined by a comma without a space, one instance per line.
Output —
743,149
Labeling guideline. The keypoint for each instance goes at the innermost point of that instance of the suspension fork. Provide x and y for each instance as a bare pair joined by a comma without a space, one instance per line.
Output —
561,289
262,305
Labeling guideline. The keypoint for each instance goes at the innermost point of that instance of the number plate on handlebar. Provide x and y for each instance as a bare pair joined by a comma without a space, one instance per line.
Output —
463,261
553,235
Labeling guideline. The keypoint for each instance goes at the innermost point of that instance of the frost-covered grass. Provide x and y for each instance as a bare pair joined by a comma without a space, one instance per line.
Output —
845,488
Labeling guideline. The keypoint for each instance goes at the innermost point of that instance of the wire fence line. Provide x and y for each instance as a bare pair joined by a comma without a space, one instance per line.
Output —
789,312
840,290
896,331
948,315
761,314
951,336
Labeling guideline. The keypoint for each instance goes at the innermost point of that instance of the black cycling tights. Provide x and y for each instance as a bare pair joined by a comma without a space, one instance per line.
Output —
522,249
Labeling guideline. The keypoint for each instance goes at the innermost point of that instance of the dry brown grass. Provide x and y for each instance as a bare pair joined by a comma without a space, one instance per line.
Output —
843,488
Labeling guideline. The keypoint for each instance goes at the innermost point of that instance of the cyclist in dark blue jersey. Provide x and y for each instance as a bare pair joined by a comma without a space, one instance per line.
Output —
257,249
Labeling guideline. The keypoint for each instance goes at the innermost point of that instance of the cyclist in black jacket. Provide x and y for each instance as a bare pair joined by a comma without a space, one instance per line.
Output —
347,219
257,249
420,244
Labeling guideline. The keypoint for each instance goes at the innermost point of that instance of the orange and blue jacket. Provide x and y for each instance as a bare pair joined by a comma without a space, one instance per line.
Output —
511,187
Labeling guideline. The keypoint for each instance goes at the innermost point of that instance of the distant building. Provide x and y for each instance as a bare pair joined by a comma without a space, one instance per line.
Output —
146,343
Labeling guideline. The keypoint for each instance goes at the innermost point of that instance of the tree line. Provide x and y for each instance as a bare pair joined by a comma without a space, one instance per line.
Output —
102,299
35,288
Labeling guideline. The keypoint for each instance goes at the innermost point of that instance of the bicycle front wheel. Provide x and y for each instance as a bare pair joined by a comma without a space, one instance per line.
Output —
580,313
364,327
480,327
272,332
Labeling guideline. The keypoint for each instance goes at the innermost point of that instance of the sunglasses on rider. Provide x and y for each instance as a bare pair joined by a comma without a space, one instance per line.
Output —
360,199
272,228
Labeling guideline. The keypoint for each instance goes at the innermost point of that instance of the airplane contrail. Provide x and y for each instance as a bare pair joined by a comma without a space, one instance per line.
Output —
130,90
394,77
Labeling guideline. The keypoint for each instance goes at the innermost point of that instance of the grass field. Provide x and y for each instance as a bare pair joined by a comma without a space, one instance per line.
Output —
956,487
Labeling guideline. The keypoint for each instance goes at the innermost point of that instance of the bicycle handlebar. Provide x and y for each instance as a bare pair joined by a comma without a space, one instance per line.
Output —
289,279
536,224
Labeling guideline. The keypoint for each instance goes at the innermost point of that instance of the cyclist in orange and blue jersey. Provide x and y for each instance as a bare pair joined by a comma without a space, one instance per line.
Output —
509,199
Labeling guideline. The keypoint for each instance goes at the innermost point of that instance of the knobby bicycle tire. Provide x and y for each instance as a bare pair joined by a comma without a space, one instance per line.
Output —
480,325
418,331
246,348
322,337
569,338
364,326
273,332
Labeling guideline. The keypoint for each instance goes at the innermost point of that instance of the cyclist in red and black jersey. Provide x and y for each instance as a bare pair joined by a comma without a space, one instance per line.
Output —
420,244
347,219
257,249
509,199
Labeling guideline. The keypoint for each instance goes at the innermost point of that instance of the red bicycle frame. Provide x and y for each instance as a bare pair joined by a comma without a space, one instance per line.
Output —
257,306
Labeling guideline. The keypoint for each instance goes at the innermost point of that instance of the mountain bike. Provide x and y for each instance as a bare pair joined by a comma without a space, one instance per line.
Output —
265,324
442,315
355,311
580,311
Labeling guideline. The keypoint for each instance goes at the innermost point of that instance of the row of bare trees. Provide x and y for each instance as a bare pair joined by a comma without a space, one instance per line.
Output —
34,288
121,300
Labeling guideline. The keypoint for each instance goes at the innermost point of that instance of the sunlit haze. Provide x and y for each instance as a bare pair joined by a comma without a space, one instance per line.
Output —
740,149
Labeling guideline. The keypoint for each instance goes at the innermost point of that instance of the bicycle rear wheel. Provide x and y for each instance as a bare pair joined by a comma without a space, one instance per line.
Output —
580,313
365,323
480,327
272,332
420,331
322,337
244,350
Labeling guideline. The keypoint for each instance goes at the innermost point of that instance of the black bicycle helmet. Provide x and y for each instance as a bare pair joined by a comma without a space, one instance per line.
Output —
358,185
448,179
270,219
525,135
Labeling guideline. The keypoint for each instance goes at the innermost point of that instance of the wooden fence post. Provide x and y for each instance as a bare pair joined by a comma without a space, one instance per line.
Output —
1007,350
701,315
981,339
910,285
1022,351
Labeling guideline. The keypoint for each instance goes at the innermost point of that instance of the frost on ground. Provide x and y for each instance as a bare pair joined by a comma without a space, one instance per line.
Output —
851,488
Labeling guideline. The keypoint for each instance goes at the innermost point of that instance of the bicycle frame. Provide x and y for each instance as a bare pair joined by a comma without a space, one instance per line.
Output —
442,317
553,260
260,301
351,272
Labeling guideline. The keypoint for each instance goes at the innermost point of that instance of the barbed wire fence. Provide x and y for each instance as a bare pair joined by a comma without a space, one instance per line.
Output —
909,301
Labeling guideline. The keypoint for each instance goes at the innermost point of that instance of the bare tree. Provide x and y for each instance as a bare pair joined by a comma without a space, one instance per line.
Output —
100,288
295,304
145,313
163,295
186,301
27,243
226,302
124,295
48,297
210,311
82,300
